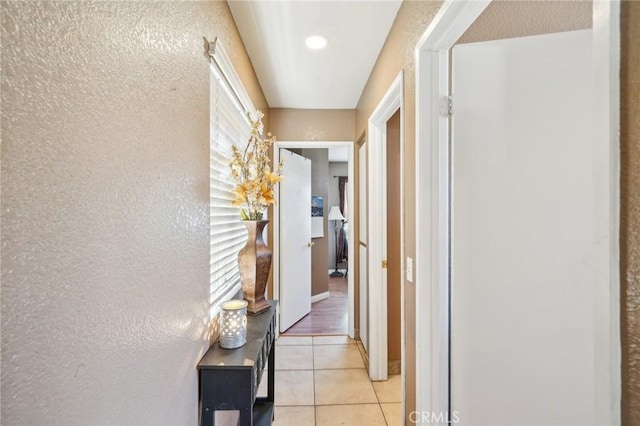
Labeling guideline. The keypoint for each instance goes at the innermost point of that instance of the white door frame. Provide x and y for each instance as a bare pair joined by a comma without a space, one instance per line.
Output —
432,205
376,235
363,255
606,144
350,214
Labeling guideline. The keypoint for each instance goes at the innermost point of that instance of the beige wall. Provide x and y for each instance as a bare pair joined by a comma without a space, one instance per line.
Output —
312,124
396,55
320,187
630,211
509,19
394,260
105,228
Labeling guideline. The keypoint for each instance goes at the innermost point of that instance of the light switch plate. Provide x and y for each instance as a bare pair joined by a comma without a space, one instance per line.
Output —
409,269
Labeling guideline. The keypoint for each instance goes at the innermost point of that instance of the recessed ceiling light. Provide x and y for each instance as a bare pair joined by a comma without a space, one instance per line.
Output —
316,42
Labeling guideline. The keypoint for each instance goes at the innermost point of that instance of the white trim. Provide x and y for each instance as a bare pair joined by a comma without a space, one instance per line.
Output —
320,296
449,24
432,206
432,202
220,57
377,241
350,231
607,358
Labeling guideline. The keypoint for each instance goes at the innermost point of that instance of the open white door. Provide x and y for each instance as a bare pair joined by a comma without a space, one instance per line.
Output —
295,239
522,278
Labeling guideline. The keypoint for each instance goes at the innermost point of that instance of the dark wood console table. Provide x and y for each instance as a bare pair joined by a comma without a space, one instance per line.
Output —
229,378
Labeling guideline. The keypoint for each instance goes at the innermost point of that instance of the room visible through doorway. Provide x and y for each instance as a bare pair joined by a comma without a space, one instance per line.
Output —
331,295
328,316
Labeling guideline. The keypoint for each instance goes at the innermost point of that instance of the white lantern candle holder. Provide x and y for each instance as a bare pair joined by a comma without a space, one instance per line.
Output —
233,324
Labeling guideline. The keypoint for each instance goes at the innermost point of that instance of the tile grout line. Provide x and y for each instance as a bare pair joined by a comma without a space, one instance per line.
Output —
313,381
313,345
377,396
383,415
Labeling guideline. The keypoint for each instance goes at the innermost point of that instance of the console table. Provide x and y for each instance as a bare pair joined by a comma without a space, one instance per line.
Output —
229,378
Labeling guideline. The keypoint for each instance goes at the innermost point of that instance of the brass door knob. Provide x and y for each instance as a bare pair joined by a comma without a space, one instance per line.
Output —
310,244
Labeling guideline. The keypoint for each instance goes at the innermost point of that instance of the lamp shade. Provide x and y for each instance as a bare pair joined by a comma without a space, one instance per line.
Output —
335,214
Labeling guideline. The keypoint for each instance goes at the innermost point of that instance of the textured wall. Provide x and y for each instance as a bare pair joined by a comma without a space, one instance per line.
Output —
630,211
105,239
319,186
313,124
509,19
398,54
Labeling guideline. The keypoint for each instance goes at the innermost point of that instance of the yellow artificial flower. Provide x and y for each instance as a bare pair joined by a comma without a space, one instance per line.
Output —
267,194
273,178
251,171
241,195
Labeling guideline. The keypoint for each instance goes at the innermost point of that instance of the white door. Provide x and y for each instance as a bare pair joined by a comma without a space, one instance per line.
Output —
522,282
295,239
364,288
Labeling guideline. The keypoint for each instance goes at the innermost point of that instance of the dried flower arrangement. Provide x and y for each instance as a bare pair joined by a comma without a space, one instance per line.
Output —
251,171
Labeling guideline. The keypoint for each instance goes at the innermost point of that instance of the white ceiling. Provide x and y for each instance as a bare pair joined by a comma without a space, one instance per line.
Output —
294,76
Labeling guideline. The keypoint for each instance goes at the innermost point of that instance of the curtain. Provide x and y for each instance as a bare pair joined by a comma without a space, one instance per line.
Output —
343,244
342,188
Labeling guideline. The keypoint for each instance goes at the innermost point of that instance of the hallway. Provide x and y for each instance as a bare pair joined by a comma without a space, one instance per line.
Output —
322,381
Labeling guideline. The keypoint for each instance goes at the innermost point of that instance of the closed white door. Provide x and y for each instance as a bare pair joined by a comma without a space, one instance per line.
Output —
522,238
295,239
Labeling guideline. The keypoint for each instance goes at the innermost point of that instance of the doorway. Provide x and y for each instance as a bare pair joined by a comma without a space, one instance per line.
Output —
385,166
332,303
442,225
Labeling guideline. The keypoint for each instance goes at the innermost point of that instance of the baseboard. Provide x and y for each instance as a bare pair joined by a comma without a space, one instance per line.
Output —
339,270
394,367
320,296
365,356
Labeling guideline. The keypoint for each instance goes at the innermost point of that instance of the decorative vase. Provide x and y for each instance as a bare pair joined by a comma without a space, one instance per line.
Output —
254,261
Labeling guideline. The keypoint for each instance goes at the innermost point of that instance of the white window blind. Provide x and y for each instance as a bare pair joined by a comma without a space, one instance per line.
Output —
229,125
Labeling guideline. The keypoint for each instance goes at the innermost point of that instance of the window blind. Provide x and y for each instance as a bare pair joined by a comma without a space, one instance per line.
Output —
229,125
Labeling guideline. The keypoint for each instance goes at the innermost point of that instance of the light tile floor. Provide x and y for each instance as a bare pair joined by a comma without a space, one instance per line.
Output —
322,381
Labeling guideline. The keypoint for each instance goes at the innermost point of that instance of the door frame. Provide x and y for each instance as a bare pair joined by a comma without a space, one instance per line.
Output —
363,287
432,268
350,233
376,235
